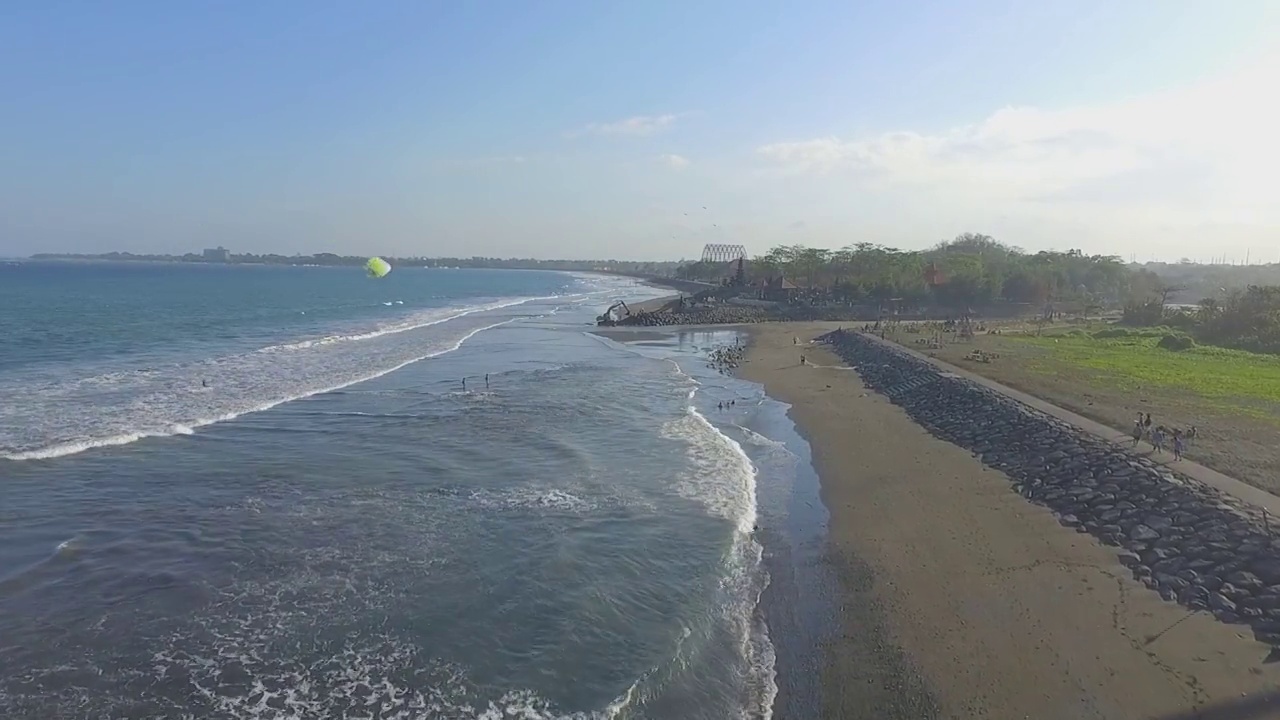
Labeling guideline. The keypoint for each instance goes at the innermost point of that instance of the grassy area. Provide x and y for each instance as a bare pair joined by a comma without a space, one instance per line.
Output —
1134,361
1110,374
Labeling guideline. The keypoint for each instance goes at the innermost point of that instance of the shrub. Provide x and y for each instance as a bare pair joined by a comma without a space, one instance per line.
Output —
1112,332
1176,343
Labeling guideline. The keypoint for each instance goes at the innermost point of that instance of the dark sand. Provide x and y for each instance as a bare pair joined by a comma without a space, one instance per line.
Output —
958,592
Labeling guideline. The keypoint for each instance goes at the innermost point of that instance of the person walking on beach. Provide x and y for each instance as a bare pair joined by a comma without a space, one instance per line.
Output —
802,359
1177,445
1157,439
1137,432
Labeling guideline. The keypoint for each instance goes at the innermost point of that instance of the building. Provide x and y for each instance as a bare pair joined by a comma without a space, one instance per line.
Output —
733,272
777,289
218,254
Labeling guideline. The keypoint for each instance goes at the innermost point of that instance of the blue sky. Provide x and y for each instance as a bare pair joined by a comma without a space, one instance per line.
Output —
589,129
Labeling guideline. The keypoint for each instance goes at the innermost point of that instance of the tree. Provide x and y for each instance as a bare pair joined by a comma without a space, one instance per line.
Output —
976,269
1165,290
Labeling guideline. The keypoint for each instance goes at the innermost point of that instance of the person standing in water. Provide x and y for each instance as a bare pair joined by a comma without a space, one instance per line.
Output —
486,381
464,384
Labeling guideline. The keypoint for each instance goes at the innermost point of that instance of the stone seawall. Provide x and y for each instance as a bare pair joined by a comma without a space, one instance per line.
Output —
1188,542
723,315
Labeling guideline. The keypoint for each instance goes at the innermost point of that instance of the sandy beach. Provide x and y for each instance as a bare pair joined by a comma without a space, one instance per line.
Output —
960,599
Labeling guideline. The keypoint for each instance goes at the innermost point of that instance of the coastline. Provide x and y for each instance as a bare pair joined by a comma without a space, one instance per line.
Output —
958,598
796,608
515,504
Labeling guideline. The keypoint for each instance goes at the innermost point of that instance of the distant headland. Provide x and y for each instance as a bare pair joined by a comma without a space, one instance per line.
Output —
222,256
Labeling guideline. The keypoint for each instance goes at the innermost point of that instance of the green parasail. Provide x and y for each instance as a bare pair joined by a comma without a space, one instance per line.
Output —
377,267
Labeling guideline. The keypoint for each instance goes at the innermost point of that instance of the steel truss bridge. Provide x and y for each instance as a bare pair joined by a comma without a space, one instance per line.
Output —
716,253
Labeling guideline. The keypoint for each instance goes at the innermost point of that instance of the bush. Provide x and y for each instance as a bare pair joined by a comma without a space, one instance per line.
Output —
1113,332
1143,314
1180,319
1176,343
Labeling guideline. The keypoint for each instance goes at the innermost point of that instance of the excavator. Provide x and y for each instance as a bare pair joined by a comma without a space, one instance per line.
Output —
609,318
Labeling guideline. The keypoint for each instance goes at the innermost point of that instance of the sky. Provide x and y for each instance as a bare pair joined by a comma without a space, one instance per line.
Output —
639,130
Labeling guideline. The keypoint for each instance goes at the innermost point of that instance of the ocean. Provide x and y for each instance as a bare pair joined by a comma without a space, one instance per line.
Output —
265,492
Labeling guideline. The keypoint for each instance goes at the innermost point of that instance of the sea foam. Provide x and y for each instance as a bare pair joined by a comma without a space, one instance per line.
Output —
64,417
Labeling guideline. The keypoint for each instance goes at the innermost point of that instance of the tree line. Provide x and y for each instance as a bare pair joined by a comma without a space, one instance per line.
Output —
1243,318
1193,281
971,269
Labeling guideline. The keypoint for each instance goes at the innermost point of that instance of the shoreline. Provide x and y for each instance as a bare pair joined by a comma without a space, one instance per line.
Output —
799,601
956,590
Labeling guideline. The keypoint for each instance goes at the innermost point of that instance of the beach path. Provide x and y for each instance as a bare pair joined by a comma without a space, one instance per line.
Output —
1001,610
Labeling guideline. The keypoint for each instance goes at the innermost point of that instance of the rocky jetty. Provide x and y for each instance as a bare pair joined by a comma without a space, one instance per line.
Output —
1191,543
720,315
736,314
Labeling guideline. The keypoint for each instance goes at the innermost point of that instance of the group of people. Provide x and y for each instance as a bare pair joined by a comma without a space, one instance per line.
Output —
486,382
804,360
1160,435
726,358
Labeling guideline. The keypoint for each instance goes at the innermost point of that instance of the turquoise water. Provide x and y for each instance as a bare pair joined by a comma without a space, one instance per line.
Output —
232,492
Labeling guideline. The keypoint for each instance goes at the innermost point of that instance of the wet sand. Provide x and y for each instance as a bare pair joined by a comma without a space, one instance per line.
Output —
961,599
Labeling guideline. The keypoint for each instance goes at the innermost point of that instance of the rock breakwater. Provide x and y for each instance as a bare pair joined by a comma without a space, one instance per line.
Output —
1190,543
737,314
723,315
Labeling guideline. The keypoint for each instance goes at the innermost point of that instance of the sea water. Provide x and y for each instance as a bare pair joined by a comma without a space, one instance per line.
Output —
264,492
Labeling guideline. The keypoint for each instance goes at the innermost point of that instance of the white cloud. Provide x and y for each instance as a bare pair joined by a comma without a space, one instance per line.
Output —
1202,154
639,125
675,162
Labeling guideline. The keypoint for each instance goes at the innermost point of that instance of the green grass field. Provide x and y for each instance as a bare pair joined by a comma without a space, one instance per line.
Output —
1110,373
1133,361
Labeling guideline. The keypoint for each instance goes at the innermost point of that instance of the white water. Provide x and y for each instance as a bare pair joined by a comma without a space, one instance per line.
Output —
52,420
723,478
423,320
